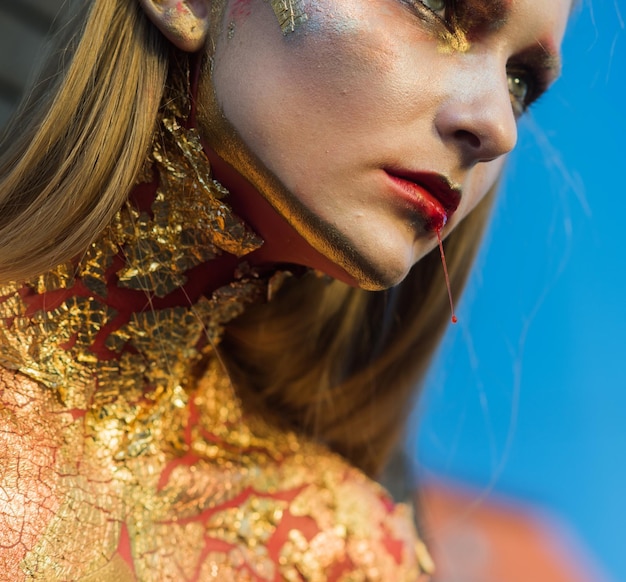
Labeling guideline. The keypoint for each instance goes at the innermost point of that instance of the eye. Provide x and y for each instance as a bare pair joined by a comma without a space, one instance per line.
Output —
436,6
433,12
521,88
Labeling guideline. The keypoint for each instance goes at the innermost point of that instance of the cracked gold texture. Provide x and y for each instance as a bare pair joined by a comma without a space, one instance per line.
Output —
290,14
125,454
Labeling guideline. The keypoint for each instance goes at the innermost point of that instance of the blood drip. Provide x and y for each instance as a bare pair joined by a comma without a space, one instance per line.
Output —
445,272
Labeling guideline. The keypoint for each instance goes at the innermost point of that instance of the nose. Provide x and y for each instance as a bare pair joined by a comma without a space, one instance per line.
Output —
476,117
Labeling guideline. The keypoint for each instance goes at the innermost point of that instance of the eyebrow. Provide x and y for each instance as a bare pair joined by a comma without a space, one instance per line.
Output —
483,14
493,14
545,57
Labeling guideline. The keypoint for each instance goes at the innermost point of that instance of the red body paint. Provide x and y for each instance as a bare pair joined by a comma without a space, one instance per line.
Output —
240,8
445,272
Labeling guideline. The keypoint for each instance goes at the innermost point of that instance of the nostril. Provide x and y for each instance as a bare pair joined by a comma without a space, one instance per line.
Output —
479,123
468,137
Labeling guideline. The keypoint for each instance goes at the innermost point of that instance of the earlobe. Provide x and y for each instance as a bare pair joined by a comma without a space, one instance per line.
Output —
185,23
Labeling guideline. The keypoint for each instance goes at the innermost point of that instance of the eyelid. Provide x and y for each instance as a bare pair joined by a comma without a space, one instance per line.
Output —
428,15
545,65
541,66
445,9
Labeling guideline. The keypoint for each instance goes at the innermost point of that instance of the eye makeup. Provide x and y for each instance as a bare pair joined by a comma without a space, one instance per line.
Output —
451,37
537,68
459,22
480,16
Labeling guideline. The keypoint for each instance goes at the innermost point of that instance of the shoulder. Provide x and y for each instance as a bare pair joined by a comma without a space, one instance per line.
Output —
296,511
339,525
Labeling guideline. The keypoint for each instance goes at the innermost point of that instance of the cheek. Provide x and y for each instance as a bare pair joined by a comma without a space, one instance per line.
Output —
239,9
341,73
337,47
482,179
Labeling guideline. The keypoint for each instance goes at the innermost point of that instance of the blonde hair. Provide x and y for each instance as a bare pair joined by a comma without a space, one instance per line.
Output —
343,364
334,362
73,151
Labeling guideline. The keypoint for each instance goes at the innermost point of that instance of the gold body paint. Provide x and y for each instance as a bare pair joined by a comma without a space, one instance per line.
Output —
290,14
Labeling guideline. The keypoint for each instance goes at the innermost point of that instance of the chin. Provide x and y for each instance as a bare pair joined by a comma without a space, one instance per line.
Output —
379,276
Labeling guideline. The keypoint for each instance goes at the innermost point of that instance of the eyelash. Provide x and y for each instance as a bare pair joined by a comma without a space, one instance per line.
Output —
448,11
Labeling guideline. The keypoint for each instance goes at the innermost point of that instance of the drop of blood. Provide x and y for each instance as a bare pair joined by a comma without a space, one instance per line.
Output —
445,272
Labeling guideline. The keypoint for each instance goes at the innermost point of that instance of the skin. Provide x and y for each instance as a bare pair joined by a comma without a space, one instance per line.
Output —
185,24
361,86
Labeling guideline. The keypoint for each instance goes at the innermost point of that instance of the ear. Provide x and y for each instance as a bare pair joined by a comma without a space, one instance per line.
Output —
185,23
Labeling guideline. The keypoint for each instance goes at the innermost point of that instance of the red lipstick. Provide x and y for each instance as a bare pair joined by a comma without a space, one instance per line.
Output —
434,196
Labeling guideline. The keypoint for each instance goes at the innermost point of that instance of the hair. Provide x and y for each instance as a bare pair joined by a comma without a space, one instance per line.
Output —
343,364
72,153
334,362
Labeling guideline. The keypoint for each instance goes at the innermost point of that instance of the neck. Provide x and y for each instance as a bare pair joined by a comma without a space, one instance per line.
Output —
282,243
147,302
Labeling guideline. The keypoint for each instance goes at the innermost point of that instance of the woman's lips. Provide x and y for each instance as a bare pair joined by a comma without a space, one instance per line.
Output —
432,195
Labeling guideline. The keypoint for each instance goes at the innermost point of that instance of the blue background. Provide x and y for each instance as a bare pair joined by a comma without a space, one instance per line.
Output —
528,397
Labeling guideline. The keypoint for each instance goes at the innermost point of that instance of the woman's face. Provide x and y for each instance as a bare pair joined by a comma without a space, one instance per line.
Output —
371,124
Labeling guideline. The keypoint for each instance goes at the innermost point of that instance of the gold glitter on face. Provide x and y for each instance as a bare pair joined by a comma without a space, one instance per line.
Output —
290,14
126,454
454,41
